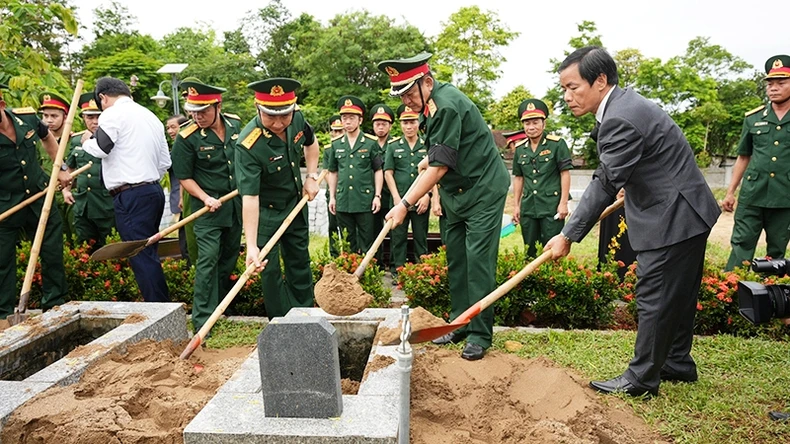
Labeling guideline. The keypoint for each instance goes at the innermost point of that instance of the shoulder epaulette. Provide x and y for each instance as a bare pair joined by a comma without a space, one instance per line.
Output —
79,133
394,139
232,116
327,146
749,113
371,137
25,110
186,124
337,137
553,138
521,142
251,138
186,132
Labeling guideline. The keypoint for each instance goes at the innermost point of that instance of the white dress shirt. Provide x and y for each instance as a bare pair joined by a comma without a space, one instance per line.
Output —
602,106
140,151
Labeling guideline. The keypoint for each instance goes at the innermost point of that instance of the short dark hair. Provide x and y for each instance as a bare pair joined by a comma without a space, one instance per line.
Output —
593,61
111,87
180,119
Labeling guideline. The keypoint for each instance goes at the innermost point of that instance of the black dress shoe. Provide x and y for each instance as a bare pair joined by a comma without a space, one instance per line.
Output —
473,352
621,385
779,416
449,338
670,376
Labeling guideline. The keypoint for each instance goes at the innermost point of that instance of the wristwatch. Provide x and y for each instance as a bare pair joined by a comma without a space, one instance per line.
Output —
567,239
313,176
377,196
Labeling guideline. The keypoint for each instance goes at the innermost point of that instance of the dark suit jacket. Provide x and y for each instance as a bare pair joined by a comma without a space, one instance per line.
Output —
641,149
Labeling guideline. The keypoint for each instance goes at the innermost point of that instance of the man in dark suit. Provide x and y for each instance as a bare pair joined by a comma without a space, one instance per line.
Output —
670,214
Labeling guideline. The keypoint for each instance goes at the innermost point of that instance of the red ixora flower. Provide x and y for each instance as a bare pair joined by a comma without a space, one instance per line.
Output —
699,306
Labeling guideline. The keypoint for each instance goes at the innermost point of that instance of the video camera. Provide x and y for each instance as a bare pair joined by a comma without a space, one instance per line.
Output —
759,303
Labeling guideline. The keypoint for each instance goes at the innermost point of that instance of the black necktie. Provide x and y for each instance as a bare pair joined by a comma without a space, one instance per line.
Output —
594,132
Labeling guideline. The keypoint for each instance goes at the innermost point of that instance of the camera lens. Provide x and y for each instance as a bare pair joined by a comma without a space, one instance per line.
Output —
776,267
780,297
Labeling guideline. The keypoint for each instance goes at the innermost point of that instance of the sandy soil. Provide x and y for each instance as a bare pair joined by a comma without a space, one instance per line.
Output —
147,395
419,318
506,399
339,293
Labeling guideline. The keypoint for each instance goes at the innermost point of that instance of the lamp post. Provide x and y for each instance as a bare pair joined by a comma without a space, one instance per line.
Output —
160,98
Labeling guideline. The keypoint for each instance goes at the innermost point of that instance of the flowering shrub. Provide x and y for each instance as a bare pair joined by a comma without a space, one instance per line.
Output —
426,284
370,281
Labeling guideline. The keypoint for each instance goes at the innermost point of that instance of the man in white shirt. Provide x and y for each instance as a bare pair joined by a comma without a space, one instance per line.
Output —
131,142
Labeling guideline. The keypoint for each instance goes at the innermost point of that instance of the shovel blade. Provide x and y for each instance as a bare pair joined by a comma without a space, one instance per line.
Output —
16,318
429,334
119,250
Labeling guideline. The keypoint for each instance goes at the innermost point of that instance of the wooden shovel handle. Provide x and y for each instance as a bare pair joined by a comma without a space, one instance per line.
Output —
158,236
380,238
223,305
38,195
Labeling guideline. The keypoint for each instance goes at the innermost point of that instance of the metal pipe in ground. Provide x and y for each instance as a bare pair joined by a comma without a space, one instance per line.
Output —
405,358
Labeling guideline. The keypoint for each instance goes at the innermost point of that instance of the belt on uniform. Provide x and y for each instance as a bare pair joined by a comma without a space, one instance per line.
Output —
129,186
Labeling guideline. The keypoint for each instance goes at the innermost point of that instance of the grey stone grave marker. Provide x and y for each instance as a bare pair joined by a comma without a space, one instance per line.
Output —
300,368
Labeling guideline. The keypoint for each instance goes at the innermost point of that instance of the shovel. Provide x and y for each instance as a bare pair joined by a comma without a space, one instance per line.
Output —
429,334
21,310
200,336
120,250
38,195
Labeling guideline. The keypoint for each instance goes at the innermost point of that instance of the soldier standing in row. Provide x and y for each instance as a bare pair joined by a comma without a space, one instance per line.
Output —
94,217
335,132
763,158
382,118
465,162
20,177
270,182
400,170
355,177
541,178
53,112
204,163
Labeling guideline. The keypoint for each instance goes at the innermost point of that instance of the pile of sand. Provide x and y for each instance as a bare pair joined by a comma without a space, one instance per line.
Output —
419,318
144,396
339,293
505,399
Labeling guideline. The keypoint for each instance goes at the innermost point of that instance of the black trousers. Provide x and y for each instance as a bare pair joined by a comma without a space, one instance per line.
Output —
668,281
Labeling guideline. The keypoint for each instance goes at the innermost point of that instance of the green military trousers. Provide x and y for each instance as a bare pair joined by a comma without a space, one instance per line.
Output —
218,252
360,228
539,229
98,229
749,222
296,290
51,254
399,238
189,229
472,250
333,250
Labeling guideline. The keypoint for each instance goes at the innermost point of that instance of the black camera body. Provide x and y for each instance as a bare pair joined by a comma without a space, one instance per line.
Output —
760,303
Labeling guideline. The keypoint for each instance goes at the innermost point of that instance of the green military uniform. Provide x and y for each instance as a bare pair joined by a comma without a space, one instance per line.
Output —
201,155
473,190
94,215
763,202
540,167
20,177
384,113
403,161
268,167
50,100
355,167
335,124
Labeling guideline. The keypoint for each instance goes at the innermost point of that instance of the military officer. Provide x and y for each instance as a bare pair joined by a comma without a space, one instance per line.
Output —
355,177
20,177
763,160
270,181
541,178
382,117
178,204
203,161
335,132
54,109
400,170
512,137
94,217
473,179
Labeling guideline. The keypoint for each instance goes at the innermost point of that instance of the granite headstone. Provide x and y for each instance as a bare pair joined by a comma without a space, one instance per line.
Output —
300,368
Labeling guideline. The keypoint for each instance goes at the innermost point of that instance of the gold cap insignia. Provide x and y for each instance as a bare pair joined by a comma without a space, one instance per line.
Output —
92,104
47,97
277,90
407,109
192,91
348,103
391,71
778,64
337,122
380,111
530,106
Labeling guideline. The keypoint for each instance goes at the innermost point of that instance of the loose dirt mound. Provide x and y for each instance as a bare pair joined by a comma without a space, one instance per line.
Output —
339,293
419,318
505,399
147,395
